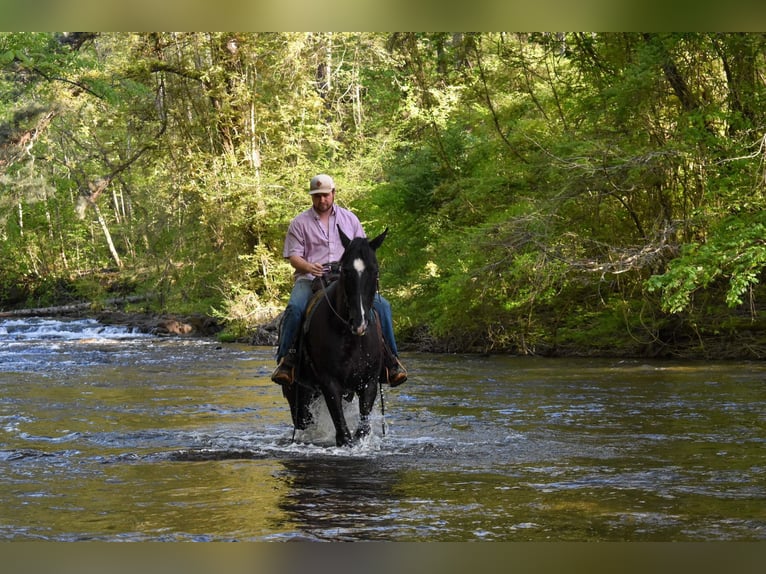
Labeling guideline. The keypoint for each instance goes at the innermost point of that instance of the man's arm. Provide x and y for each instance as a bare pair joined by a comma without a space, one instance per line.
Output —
303,266
295,249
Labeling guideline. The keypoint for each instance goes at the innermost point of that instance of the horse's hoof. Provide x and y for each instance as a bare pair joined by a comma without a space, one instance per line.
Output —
344,440
362,432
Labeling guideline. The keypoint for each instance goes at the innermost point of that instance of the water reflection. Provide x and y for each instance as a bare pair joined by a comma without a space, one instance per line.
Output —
339,499
176,439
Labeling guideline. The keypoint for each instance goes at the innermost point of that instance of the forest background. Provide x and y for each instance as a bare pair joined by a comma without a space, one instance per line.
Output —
546,193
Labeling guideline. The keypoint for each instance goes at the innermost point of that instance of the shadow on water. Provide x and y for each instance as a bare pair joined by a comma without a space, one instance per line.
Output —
339,499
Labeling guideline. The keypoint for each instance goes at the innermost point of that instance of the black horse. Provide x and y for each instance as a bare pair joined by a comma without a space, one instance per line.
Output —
341,347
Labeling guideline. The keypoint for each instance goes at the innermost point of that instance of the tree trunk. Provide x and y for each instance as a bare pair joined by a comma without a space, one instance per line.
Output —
107,236
95,191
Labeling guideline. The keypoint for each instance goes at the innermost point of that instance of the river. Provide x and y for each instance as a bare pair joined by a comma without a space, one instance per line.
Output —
107,434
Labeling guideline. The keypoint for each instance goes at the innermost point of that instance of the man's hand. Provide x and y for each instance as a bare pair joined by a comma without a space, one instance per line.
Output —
303,266
315,269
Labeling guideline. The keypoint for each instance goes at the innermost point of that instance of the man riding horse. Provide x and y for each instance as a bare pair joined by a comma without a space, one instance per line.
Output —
312,243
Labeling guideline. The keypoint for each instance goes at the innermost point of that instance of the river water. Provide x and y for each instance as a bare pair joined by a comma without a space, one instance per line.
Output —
111,435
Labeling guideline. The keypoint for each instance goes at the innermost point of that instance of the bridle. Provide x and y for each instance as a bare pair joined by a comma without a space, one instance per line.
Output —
346,322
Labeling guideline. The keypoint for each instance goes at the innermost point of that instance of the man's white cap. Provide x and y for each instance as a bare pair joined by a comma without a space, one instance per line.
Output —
321,184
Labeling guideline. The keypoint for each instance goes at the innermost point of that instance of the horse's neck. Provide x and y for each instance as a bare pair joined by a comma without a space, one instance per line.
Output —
340,299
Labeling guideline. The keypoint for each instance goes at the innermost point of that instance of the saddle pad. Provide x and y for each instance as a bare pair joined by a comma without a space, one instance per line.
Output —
310,308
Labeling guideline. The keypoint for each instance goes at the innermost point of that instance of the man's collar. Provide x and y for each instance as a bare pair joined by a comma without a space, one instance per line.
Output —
316,215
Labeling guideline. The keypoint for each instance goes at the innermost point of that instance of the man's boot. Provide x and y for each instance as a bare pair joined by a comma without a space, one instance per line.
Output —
284,374
395,371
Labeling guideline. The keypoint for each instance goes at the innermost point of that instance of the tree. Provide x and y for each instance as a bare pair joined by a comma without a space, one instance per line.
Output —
544,191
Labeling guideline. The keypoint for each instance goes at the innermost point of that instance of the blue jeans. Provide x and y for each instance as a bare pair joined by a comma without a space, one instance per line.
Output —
296,306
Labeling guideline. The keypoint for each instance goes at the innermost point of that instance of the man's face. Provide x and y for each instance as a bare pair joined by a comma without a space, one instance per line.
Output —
322,201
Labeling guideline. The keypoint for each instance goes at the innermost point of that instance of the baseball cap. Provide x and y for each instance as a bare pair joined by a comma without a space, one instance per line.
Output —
321,184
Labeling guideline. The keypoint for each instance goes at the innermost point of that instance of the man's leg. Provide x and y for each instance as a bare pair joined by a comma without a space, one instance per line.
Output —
288,332
397,374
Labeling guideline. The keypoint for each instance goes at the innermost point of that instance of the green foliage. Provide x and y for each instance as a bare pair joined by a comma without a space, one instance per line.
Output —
735,252
542,190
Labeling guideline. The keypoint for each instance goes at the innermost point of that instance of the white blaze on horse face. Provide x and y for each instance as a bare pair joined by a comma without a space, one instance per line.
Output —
362,329
360,267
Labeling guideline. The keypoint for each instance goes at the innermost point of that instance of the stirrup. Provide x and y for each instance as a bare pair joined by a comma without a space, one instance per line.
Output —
284,374
397,374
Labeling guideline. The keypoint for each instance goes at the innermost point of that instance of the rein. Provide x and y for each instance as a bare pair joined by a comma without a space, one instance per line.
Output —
346,322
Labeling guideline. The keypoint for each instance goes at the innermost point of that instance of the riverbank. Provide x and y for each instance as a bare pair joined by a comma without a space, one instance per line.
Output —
745,342
195,325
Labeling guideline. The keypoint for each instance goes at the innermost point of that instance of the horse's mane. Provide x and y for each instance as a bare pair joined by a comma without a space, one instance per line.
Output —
360,244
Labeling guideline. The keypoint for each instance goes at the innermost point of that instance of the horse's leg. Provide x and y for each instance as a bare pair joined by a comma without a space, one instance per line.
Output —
333,396
290,393
305,397
366,402
299,398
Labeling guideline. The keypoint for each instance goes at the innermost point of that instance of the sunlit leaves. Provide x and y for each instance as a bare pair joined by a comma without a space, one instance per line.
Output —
735,253
523,176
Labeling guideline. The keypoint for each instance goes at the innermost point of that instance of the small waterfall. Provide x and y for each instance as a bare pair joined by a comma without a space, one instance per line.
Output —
55,329
52,345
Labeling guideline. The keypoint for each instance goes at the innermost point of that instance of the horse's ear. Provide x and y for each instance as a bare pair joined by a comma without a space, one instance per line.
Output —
343,238
375,243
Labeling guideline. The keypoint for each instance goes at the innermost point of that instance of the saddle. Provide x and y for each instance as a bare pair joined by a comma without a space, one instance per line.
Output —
319,287
331,275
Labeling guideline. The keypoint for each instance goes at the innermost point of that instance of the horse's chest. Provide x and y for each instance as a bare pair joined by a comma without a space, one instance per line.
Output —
360,359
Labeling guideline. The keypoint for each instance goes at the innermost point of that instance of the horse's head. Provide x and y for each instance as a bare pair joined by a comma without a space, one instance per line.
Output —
359,278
